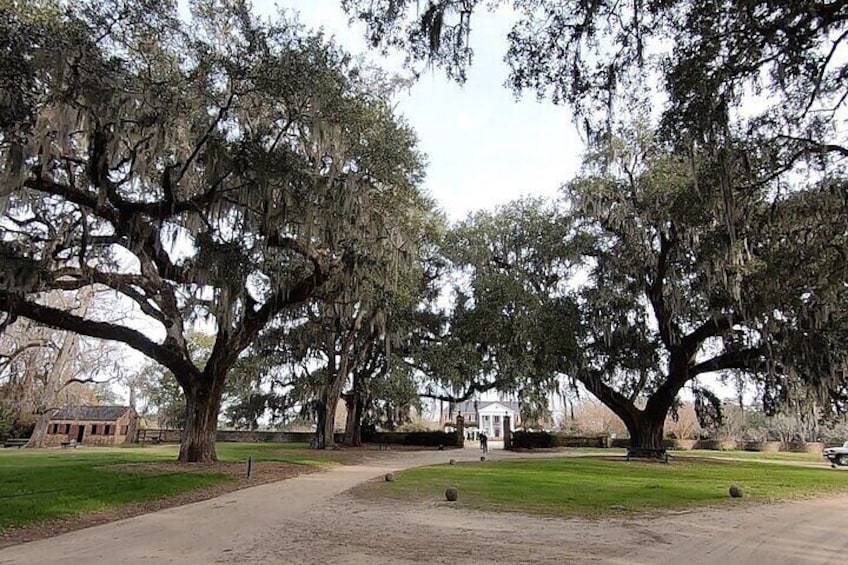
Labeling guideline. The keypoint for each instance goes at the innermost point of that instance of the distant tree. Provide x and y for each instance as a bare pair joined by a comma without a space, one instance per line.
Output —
345,344
593,417
43,370
835,431
733,425
490,333
682,422
246,411
165,395
391,397
208,167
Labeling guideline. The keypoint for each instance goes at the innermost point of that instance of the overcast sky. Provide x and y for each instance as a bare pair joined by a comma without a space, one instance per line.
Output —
484,147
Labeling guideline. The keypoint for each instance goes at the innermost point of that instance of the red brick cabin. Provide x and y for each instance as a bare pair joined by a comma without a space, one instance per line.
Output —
93,425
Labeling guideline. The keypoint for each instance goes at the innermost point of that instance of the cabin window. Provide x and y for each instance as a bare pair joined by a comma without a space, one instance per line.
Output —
108,431
124,430
55,429
94,429
67,428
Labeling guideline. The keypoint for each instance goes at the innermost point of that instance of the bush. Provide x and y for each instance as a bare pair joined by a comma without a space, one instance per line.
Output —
13,427
544,440
533,440
423,439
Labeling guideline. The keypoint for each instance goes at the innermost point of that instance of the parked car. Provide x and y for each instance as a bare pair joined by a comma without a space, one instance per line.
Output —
837,455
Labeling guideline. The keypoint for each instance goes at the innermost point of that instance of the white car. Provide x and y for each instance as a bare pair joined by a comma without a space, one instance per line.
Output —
837,455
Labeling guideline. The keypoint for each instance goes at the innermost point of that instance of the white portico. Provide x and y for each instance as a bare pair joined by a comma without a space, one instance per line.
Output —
488,416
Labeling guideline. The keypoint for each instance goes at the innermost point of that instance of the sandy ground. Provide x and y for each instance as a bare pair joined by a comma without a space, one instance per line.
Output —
312,519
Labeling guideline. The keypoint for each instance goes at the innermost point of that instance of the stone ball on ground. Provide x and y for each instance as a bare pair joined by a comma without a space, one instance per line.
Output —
451,494
390,477
736,491
482,458
452,461
441,447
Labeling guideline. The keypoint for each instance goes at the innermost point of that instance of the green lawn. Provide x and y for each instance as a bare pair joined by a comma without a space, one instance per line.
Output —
747,455
755,455
593,487
38,485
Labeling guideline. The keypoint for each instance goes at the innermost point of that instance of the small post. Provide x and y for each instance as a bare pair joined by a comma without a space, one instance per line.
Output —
249,466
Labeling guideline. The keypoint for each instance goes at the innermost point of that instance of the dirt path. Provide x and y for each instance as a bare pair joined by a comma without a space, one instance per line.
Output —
311,519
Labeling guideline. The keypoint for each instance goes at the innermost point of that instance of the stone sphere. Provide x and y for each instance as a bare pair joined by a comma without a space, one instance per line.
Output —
390,477
482,458
441,447
452,461
736,491
451,494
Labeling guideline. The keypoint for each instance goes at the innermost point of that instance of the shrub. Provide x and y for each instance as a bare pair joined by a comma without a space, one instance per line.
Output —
543,440
423,439
533,440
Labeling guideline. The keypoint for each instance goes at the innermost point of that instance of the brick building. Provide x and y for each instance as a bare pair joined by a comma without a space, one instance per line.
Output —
93,425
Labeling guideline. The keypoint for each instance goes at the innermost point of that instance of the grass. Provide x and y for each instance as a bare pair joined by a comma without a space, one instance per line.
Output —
755,455
746,455
38,485
591,487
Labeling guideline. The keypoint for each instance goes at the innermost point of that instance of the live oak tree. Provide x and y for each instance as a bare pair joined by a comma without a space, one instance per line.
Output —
483,333
214,168
337,338
346,338
634,284
755,91
684,282
338,351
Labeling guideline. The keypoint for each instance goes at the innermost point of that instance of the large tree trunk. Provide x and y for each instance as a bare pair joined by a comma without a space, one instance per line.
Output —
39,433
330,394
647,432
327,402
355,403
56,380
320,416
353,426
647,426
197,444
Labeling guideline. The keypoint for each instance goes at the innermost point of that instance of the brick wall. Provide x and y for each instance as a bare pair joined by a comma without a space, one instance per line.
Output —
98,433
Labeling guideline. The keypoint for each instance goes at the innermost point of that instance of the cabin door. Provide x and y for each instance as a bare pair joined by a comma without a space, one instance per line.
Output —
80,433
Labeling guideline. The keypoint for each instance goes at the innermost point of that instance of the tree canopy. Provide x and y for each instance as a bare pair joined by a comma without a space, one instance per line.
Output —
712,243
590,54
217,169
635,285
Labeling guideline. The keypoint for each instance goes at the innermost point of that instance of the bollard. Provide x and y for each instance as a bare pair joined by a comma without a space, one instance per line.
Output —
249,466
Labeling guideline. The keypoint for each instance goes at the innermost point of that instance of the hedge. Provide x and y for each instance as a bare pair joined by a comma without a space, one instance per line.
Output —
534,440
428,439
543,440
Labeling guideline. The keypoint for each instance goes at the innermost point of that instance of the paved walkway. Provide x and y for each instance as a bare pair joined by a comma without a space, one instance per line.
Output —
204,531
310,519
